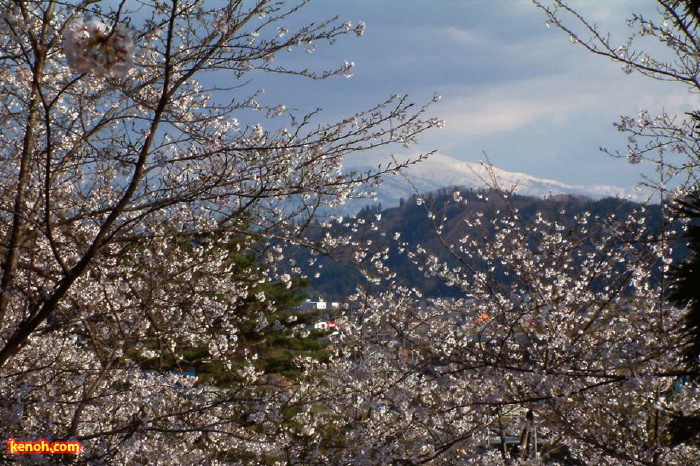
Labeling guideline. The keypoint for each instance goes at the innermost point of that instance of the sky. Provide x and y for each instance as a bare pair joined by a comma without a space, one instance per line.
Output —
511,89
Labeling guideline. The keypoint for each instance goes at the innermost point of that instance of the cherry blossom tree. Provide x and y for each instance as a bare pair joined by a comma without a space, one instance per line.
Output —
130,186
562,350
126,176
663,47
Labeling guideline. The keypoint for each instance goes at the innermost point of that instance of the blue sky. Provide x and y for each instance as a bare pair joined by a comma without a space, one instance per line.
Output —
510,87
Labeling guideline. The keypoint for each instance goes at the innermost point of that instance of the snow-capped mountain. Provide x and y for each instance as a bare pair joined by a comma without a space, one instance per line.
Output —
442,171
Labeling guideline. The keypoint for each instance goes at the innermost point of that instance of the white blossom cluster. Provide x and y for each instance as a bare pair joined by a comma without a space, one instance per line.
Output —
93,47
150,219
574,334
145,230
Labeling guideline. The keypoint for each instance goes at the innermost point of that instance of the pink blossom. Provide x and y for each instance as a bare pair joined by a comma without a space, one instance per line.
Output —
93,49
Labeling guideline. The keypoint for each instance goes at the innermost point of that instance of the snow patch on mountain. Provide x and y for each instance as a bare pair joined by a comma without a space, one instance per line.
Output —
442,171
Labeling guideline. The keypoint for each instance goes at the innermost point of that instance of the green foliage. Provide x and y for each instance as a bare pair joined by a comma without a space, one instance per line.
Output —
272,329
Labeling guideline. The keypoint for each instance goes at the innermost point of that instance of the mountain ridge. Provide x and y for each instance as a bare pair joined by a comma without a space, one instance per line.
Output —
440,171
411,226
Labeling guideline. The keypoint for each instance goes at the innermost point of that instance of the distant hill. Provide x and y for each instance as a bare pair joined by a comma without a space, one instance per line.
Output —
411,222
442,171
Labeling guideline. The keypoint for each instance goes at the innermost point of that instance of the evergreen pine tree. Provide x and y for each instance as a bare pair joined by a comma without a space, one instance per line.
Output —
686,277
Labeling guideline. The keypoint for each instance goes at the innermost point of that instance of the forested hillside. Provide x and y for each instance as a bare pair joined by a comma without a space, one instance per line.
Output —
415,223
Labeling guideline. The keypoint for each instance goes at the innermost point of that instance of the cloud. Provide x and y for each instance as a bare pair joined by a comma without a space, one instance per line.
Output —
513,105
461,36
541,84
551,102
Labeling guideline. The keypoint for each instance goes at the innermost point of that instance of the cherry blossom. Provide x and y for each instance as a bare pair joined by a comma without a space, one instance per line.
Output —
135,205
131,206
95,48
